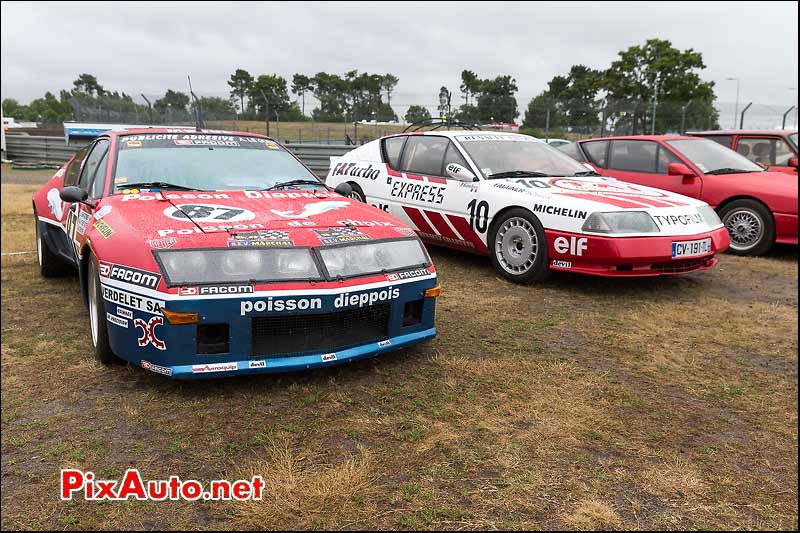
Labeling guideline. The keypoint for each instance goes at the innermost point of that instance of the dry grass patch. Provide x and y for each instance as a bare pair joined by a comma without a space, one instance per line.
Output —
592,514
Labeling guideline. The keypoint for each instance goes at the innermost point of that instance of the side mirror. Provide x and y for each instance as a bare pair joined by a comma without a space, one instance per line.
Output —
456,171
344,189
73,194
793,162
679,169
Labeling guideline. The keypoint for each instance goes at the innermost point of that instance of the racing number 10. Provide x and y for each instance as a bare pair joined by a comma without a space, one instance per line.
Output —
478,215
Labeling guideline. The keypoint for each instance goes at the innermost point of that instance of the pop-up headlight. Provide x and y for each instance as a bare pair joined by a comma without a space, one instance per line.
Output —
372,257
620,222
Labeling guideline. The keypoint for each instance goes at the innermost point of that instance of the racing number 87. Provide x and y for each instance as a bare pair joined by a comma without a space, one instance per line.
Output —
478,215
205,211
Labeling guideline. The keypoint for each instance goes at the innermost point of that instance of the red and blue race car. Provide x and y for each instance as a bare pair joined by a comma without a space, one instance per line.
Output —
212,253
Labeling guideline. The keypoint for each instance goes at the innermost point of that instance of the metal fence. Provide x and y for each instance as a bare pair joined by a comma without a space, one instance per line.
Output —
52,150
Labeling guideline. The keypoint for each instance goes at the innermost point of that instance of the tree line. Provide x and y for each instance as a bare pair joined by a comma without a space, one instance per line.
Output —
581,100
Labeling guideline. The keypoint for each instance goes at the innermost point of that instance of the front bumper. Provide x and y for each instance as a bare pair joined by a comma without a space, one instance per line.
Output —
631,256
266,332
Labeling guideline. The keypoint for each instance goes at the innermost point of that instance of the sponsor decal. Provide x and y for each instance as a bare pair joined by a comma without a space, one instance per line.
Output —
133,194
562,264
209,229
272,146
134,301
158,369
204,142
340,235
142,278
120,180
352,169
560,211
290,195
149,332
104,229
103,211
261,363
55,203
214,367
260,238
409,274
312,210
208,213
117,321
125,313
134,144
420,192
216,289
384,344
615,187
488,137
72,219
472,186
163,243
83,221
689,219
365,223
326,357
572,246
343,300
405,231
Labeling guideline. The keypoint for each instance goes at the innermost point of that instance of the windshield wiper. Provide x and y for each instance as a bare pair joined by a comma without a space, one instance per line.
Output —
519,174
727,170
159,185
586,173
289,183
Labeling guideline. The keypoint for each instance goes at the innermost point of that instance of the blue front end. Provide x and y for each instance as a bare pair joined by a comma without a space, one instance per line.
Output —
268,332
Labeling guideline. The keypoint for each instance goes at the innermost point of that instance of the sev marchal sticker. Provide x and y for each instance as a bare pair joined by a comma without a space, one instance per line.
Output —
340,235
104,229
260,238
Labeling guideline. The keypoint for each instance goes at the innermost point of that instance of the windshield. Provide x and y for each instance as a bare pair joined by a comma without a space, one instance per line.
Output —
710,156
205,162
793,139
499,154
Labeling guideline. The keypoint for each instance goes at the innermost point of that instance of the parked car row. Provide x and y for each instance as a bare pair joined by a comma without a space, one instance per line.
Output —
207,253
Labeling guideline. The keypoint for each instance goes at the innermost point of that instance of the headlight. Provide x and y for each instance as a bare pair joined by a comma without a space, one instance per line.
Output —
709,215
620,222
372,258
192,267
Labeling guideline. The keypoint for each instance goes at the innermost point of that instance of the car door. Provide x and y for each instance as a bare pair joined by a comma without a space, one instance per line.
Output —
92,179
646,162
771,151
435,204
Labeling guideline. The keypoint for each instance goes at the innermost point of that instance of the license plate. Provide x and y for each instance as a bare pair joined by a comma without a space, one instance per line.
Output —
691,248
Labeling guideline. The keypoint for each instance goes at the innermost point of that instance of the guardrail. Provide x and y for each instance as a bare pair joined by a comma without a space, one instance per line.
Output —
52,150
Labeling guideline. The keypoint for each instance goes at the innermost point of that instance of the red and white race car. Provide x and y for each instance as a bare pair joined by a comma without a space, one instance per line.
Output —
529,207
209,253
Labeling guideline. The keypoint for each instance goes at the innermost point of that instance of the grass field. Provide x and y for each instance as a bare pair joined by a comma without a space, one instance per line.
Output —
580,403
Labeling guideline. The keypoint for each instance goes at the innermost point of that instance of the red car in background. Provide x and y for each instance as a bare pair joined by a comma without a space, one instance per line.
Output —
776,149
758,208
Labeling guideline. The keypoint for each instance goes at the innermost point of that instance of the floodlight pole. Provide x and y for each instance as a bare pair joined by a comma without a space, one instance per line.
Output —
741,120
683,116
149,108
783,124
266,108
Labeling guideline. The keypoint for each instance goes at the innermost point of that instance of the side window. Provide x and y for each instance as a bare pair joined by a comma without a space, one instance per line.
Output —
452,155
665,158
74,168
596,151
572,150
724,140
633,156
424,154
99,179
765,150
392,147
92,164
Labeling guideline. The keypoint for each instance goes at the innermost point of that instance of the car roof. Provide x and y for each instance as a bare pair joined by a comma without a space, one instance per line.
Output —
454,133
742,132
185,130
640,138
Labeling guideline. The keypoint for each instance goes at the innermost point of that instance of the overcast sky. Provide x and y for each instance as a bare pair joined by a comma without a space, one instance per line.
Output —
146,48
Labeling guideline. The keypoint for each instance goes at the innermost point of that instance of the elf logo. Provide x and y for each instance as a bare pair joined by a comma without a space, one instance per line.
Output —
572,245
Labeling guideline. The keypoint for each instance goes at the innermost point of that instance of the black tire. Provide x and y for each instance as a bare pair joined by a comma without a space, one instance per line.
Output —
358,193
50,265
518,230
97,316
750,226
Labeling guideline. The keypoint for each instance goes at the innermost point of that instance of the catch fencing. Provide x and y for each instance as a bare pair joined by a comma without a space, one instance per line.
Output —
53,150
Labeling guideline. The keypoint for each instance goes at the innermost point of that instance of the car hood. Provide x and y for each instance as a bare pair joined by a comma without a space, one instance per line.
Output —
213,219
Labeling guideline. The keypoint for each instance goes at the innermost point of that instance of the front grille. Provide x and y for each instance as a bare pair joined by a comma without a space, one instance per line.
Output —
289,336
684,265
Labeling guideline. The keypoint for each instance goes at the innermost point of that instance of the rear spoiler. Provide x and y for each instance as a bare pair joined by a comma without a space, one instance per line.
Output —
82,130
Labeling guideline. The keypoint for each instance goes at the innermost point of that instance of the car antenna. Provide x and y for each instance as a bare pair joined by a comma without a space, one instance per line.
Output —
198,117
